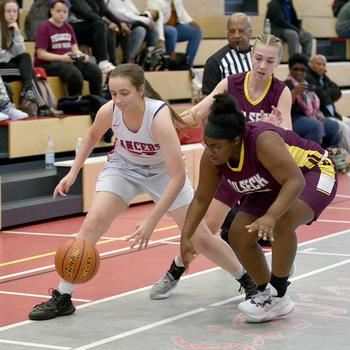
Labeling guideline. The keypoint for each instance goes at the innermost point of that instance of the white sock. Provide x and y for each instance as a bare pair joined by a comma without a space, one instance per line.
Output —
238,273
66,287
178,262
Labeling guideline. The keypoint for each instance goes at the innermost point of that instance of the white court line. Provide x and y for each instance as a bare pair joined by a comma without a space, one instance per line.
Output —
334,221
35,345
38,234
190,313
163,240
111,298
322,253
342,196
53,234
306,250
39,296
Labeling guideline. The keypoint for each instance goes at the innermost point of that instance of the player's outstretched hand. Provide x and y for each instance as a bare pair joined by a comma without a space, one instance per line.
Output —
141,235
264,227
64,185
275,117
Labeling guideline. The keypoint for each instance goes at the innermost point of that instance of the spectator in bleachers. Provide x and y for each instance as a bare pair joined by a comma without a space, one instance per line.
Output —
8,109
142,26
328,92
176,25
308,120
286,25
233,58
91,21
15,62
342,26
57,51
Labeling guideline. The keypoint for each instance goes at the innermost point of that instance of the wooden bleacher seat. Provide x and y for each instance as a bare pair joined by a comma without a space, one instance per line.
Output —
22,18
28,137
214,27
343,105
26,4
206,48
30,48
58,88
171,85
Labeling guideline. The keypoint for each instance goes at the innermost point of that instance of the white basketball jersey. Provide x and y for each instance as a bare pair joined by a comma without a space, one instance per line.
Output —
138,147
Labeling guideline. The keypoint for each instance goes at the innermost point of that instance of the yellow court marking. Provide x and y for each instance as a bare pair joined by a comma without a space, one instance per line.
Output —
34,257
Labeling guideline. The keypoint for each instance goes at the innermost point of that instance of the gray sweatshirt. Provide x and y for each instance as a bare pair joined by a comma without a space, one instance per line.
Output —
16,48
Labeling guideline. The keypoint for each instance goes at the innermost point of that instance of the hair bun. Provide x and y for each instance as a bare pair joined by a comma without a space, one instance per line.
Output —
224,104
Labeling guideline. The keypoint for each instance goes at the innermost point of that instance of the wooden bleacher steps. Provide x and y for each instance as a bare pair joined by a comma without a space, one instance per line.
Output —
28,137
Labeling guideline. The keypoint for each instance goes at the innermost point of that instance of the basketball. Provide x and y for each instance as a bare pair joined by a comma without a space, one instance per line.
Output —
77,260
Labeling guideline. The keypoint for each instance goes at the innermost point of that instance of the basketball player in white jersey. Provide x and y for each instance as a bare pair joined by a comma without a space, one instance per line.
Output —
146,159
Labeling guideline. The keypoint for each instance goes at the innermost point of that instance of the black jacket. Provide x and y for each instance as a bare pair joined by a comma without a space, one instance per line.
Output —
328,93
90,10
275,14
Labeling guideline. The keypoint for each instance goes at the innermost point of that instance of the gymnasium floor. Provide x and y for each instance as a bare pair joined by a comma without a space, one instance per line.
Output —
115,312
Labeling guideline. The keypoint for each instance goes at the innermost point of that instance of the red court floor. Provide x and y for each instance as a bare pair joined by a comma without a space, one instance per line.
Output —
27,256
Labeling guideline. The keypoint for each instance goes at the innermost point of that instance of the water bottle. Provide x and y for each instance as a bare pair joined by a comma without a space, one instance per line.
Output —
267,27
77,145
50,153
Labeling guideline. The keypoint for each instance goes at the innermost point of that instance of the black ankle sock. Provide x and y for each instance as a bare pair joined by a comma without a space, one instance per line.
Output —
280,283
261,287
176,271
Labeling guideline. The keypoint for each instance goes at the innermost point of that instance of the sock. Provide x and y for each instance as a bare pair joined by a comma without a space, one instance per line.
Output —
238,273
176,271
280,284
66,287
261,287
178,262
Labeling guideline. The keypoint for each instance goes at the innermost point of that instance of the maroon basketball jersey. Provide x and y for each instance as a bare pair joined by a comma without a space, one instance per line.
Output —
249,175
238,88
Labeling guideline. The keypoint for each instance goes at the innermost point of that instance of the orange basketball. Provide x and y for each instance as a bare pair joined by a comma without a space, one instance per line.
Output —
77,260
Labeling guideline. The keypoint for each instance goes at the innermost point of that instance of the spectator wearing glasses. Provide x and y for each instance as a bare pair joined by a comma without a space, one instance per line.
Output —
233,58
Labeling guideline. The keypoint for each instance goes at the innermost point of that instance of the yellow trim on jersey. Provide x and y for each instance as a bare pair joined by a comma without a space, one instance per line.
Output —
241,160
310,158
246,93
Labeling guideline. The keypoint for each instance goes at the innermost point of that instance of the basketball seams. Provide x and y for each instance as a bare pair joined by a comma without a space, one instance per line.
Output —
65,255
81,255
96,262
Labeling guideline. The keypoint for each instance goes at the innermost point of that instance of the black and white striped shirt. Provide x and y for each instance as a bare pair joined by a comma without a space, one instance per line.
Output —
223,63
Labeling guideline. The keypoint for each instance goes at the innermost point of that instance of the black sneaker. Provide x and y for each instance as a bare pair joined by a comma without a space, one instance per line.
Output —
58,305
248,285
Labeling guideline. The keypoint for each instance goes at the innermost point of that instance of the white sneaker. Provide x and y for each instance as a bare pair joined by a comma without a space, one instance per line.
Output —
266,306
3,117
14,113
106,66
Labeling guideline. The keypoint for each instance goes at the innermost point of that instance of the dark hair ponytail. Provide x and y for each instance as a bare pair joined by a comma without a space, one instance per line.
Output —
225,113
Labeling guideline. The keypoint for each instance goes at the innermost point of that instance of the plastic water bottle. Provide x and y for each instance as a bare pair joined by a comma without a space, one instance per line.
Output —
267,27
50,153
77,145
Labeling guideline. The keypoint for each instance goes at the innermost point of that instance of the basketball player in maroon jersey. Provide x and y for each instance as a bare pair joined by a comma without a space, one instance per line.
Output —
284,182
